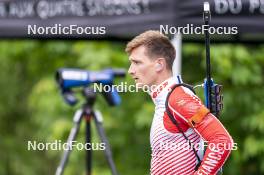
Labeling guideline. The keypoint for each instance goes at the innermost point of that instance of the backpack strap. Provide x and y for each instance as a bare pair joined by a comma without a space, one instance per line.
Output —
177,124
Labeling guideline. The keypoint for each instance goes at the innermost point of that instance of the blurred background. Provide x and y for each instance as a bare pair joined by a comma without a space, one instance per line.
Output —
31,107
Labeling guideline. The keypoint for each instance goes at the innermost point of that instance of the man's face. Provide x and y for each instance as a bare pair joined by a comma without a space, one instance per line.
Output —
142,67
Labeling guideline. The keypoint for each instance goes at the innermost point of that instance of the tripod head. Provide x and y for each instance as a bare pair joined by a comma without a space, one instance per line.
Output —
69,78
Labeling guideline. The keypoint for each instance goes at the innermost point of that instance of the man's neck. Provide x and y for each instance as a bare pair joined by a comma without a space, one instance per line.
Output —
162,77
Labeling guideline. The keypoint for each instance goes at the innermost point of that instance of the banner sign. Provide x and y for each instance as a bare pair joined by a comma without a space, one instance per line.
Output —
83,18
123,19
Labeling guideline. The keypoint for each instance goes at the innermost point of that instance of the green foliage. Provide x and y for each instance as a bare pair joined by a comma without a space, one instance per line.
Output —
31,107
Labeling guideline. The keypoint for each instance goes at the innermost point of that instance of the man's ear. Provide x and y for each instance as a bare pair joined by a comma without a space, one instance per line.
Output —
160,64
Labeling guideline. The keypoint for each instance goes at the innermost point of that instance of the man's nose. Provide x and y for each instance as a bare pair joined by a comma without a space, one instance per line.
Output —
131,70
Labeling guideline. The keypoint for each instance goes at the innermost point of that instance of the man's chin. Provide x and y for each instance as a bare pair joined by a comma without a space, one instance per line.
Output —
139,84
142,86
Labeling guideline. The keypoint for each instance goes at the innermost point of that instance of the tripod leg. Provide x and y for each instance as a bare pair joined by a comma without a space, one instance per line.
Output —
98,122
88,152
74,131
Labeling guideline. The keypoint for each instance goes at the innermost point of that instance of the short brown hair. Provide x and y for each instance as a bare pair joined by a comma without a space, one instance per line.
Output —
156,44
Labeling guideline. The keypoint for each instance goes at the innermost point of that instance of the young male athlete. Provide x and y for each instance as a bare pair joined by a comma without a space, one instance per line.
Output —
151,55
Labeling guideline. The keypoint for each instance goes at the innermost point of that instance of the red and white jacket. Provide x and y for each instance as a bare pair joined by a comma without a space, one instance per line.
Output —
170,152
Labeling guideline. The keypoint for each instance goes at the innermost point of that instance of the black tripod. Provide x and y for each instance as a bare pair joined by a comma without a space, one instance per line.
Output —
87,113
